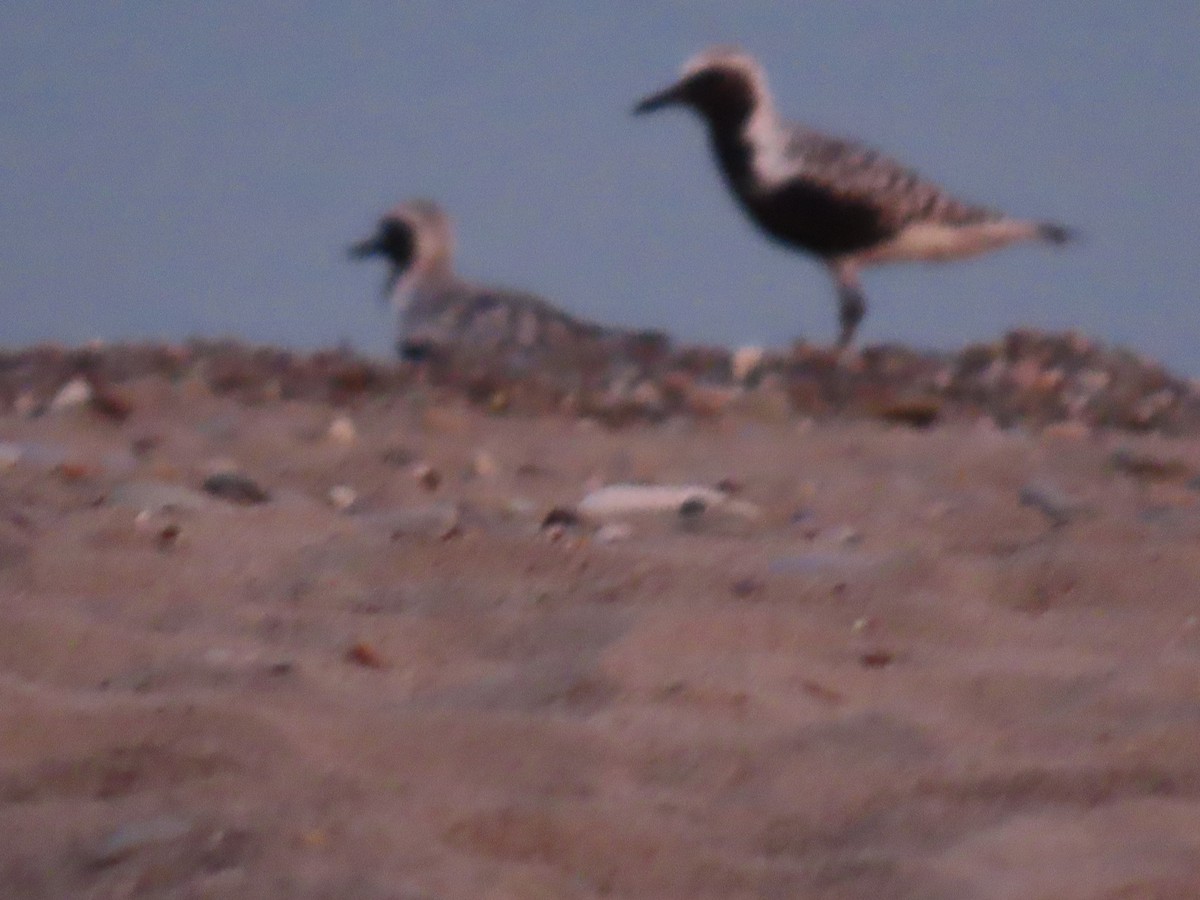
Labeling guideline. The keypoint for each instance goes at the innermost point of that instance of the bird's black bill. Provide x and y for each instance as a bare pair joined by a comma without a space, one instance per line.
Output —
669,97
363,249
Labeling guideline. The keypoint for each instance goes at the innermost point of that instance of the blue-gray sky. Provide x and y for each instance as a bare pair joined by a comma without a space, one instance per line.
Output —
172,169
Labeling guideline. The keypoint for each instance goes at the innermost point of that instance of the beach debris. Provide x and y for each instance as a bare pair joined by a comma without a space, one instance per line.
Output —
686,501
108,402
436,520
342,497
876,659
1055,504
342,431
818,691
236,488
613,532
10,454
131,837
427,476
74,393
364,654
483,465
744,588
398,457
157,496
1146,467
561,517
745,362
846,535
916,412
73,470
168,535
821,562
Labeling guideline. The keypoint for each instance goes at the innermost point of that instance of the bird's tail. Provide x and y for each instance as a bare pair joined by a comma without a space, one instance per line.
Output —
1053,233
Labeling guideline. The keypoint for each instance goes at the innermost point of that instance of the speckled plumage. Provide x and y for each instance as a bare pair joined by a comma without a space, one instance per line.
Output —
839,200
441,313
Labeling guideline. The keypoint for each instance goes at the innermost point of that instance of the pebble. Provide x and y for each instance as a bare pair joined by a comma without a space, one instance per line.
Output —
342,497
157,496
613,532
75,392
427,476
1055,504
235,488
1150,468
436,520
10,454
483,465
616,500
342,431
364,654
131,837
745,361
820,563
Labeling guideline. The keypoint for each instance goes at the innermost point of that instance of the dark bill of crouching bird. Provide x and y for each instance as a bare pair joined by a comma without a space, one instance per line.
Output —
444,316
836,199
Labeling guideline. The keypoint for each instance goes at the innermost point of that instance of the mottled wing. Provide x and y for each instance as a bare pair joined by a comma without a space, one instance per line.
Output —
857,174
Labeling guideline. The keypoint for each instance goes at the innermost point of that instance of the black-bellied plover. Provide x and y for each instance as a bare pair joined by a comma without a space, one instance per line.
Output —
443,314
845,203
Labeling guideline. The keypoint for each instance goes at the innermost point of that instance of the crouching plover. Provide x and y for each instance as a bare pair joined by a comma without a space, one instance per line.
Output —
441,314
841,201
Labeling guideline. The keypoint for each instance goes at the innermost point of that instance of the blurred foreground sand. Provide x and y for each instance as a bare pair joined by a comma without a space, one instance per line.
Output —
952,662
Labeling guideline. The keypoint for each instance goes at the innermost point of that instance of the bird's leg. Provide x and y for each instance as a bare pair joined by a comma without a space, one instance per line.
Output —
852,303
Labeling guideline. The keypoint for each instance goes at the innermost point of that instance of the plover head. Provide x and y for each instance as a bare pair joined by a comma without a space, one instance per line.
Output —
417,240
723,84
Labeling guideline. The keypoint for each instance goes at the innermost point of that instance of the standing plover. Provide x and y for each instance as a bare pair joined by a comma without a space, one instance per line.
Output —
845,203
443,314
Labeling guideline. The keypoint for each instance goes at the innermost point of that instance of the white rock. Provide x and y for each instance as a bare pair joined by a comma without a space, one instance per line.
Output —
617,500
613,532
342,497
342,431
75,392
744,361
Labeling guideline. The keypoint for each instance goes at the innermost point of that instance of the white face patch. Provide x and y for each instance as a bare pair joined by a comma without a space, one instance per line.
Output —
763,132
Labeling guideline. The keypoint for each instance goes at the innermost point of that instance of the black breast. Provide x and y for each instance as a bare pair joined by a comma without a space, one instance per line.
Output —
812,218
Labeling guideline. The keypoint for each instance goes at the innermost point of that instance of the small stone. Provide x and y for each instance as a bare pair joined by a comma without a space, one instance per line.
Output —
915,413
364,654
399,457
156,496
1150,468
846,535
235,488
427,476
168,535
1060,508
131,837
876,659
746,587
10,455
342,497
820,692
439,520
483,465
72,471
110,403
342,431
1069,430
75,392
613,532
745,361
561,516
626,499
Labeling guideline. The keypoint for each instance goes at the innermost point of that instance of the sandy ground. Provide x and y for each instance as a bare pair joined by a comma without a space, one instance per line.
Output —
897,681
